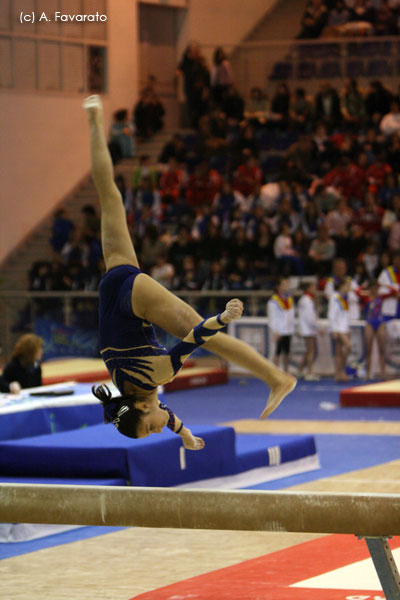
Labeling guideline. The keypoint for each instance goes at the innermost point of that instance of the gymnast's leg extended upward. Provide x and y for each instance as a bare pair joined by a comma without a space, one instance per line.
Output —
150,300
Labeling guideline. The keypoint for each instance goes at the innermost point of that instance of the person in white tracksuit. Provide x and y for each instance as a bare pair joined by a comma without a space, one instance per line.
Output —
339,272
307,318
338,317
389,286
280,311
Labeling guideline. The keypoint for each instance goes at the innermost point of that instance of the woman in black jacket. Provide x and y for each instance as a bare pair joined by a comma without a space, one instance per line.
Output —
24,366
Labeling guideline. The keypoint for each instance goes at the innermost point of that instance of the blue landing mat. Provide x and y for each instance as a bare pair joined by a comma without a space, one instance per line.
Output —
255,451
101,452
40,421
26,416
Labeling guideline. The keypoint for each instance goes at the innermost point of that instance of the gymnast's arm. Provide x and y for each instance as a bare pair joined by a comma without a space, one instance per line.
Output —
190,441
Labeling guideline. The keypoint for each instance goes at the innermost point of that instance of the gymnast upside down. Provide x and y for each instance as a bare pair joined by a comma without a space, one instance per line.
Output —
130,302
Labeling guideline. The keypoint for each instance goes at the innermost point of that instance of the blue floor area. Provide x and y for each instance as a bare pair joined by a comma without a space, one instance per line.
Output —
75,535
340,454
245,399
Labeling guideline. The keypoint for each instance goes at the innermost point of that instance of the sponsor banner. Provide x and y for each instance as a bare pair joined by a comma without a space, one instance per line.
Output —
61,341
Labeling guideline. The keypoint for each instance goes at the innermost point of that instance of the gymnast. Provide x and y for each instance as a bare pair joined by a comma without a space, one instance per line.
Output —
131,302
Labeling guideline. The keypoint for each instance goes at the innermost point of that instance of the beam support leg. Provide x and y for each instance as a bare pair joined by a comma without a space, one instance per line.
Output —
385,566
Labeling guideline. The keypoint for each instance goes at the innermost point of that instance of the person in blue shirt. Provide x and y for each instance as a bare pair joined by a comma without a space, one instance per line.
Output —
131,302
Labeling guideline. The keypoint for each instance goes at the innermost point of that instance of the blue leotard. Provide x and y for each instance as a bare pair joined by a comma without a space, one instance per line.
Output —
128,344
373,313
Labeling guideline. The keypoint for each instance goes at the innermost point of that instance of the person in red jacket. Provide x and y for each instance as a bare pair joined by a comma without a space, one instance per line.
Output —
203,184
377,172
247,176
370,216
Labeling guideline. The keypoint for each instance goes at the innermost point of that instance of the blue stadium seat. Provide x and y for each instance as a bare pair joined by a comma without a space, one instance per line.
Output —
282,71
379,67
355,68
330,68
190,141
219,163
284,140
306,69
315,51
271,164
266,139
369,49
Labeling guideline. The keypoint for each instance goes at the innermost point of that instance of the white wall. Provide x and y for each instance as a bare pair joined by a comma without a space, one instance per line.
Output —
222,22
44,148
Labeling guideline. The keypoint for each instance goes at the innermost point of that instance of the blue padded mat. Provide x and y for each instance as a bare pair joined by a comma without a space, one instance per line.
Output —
101,452
40,421
25,416
261,450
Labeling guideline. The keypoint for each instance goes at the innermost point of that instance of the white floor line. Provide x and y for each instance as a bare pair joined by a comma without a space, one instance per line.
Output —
259,475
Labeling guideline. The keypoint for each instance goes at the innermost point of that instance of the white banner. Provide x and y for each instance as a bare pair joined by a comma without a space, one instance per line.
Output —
255,331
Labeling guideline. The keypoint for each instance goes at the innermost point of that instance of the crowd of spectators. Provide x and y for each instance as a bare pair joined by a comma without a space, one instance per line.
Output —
350,17
272,190
261,188
74,264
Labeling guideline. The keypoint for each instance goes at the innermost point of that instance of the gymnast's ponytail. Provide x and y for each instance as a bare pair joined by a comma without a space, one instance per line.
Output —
119,410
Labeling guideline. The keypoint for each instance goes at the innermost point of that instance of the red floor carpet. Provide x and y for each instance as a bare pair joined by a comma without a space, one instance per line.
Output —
270,577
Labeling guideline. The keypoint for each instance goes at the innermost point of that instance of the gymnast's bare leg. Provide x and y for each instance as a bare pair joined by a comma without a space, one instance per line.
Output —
150,300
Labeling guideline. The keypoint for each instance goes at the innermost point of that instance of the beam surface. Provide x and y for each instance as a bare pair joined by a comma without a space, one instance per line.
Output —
308,512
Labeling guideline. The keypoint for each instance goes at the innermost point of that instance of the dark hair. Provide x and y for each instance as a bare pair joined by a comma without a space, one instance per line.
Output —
88,209
281,279
119,410
304,285
121,115
219,56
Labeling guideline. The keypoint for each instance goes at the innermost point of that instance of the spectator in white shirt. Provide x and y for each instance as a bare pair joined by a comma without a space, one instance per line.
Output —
338,317
280,311
307,317
390,122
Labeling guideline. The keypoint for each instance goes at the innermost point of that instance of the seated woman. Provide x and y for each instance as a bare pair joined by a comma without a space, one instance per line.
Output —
130,302
24,367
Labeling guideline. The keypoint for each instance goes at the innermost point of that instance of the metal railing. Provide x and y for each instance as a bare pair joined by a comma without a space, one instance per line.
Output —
21,310
304,63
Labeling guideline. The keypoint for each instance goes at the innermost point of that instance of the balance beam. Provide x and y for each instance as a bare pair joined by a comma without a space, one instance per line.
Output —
246,510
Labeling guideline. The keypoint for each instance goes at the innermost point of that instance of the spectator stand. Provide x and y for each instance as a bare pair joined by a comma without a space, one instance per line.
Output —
306,62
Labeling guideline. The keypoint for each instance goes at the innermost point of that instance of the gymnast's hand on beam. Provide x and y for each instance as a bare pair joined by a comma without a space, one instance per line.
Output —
233,310
191,442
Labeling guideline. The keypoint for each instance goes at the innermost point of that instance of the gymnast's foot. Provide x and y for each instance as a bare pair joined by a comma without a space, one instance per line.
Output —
233,310
278,392
94,108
